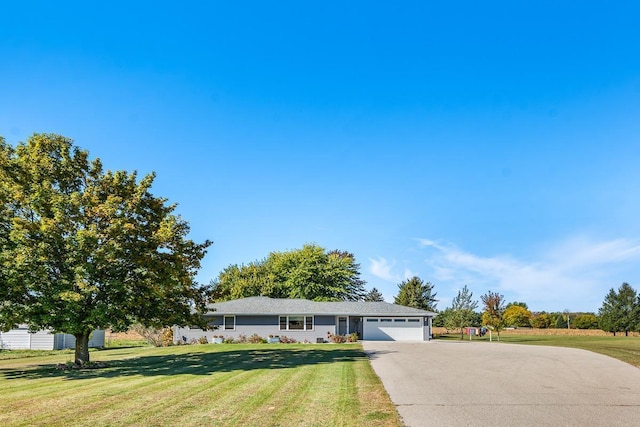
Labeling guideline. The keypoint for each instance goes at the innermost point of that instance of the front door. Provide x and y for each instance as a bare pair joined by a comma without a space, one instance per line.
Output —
342,326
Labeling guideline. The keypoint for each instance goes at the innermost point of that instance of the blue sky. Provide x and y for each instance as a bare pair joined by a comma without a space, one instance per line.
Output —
493,144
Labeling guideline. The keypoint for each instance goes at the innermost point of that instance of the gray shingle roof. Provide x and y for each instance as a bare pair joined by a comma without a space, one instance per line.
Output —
265,305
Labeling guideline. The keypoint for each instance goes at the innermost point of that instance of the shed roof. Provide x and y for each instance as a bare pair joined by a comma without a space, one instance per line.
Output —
266,305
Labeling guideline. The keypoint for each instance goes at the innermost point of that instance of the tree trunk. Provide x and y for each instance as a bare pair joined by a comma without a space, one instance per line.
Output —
626,333
82,348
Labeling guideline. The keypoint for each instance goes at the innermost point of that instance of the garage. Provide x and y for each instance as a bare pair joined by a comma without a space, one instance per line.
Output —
393,329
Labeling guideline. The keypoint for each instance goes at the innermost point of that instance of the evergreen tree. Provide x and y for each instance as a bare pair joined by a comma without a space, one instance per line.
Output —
620,311
417,294
374,296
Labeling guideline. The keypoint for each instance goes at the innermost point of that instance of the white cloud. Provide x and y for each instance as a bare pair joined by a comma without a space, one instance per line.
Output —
381,268
408,274
384,269
573,274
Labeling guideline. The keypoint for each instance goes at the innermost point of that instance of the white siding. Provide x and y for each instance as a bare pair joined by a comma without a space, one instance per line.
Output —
42,340
69,341
15,339
21,339
97,338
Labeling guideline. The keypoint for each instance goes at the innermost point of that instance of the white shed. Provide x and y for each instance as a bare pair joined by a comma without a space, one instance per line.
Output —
21,339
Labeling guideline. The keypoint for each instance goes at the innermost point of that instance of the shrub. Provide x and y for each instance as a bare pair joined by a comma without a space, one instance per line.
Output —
203,340
256,339
352,337
155,336
586,321
540,320
167,337
287,340
337,339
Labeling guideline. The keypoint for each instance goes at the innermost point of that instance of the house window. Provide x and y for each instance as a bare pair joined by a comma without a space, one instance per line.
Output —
372,320
385,320
229,323
399,320
296,323
413,320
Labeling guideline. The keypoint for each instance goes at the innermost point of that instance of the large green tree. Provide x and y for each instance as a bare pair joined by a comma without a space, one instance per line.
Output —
517,315
461,313
83,249
620,311
540,320
310,272
416,293
586,321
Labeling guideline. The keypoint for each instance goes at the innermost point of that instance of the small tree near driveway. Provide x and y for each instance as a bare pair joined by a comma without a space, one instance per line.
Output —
493,315
461,312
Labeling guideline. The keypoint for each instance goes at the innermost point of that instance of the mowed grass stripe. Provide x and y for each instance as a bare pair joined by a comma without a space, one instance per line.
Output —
375,406
292,403
233,405
230,385
347,401
160,391
278,393
161,403
122,385
86,395
315,402
84,403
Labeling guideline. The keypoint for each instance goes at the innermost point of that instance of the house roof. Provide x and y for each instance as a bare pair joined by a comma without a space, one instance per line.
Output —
266,305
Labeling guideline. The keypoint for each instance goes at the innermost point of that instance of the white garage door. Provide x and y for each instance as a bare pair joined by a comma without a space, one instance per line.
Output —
393,329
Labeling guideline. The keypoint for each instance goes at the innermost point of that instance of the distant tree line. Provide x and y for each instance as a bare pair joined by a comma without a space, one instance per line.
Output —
620,312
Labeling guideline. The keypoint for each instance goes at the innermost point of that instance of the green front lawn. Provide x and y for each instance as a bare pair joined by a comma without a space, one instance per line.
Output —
231,385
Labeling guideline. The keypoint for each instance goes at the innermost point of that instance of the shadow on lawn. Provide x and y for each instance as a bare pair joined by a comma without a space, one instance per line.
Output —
197,363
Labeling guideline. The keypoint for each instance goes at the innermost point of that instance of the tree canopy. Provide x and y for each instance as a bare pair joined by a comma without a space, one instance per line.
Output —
461,312
517,315
374,295
493,314
310,272
82,249
620,311
540,320
415,293
586,321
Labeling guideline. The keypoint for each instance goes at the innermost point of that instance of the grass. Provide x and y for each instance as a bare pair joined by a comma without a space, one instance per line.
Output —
622,348
231,385
111,343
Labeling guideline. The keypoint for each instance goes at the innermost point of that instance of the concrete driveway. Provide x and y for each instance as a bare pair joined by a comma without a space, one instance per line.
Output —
480,384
